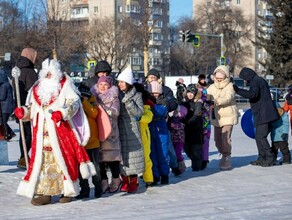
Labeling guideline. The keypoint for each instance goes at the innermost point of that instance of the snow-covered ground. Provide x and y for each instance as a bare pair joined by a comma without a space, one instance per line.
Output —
245,192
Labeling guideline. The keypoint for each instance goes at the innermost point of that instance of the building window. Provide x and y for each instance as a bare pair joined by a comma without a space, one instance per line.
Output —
95,9
63,1
136,61
133,8
157,11
238,2
120,9
157,36
155,61
158,24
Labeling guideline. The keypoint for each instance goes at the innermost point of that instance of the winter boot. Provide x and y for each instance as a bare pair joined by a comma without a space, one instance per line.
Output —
204,164
65,199
156,180
21,163
182,166
176,171
41,200
98,191
164,180
125,184
84,193
225,163
133,185
115,185
286,156
104,186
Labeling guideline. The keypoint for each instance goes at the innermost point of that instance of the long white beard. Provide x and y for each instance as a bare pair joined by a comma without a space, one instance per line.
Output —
48,90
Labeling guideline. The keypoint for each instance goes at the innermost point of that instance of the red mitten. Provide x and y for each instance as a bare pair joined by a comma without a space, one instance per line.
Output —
19,112
56,116
149,102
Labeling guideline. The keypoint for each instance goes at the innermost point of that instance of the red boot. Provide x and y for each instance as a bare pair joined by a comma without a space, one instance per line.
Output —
133,184
125,184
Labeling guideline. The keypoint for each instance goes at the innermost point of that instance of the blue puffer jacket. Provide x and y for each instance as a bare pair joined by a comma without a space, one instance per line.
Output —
279,127
159,141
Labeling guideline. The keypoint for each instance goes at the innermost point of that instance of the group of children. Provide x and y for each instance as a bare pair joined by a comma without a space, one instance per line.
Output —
143,131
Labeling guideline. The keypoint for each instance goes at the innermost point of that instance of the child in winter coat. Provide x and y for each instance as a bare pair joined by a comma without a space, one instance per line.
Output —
206,110
145,133
279,136
194,136
288,103
110,150
159,135
92,147
178,134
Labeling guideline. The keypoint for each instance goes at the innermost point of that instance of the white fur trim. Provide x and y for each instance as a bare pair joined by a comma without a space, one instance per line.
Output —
24,189
84,171
71,189
92,169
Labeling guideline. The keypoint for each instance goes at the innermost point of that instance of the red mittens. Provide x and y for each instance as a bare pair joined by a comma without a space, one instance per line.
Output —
149,102
19,112
56,116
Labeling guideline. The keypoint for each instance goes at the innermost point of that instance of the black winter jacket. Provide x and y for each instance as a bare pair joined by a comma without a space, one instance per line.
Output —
259,97
27,77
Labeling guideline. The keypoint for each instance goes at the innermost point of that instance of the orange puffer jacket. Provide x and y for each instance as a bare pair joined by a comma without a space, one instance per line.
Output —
91,112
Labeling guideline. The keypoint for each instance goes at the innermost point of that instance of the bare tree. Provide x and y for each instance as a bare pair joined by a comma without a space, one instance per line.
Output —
11,30
235,27
108,41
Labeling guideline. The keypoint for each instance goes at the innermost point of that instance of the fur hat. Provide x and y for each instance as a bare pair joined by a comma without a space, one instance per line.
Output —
223,70
127,76
155,87
106,79
52,66
154,72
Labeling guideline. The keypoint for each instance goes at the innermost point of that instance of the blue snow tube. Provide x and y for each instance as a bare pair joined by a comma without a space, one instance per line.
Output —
247,124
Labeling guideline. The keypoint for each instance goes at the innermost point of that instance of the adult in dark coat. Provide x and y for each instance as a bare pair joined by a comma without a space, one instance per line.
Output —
6,99
263,112
27,78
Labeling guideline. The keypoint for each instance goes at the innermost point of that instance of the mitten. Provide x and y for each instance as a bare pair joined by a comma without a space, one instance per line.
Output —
19,112
284,136
150,103
56,116
235,87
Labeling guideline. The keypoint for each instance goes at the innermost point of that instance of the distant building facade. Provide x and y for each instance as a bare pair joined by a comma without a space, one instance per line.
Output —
250,8
86,11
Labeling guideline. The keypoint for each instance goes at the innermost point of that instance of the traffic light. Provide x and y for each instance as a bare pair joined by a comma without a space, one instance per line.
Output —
196,41
182,36
91,63
222,60
189,36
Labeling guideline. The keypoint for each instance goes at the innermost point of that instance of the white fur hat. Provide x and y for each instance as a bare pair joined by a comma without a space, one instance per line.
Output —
127,76
52,66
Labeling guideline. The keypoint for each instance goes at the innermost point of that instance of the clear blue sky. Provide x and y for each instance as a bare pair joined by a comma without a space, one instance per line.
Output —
180,8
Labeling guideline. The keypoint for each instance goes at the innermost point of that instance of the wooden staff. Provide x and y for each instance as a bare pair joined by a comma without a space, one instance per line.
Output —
16,73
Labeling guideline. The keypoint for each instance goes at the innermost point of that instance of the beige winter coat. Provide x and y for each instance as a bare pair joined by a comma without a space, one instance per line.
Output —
226,111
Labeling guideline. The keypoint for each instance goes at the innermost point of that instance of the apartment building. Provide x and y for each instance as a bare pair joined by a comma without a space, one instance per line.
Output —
250,9
86,11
